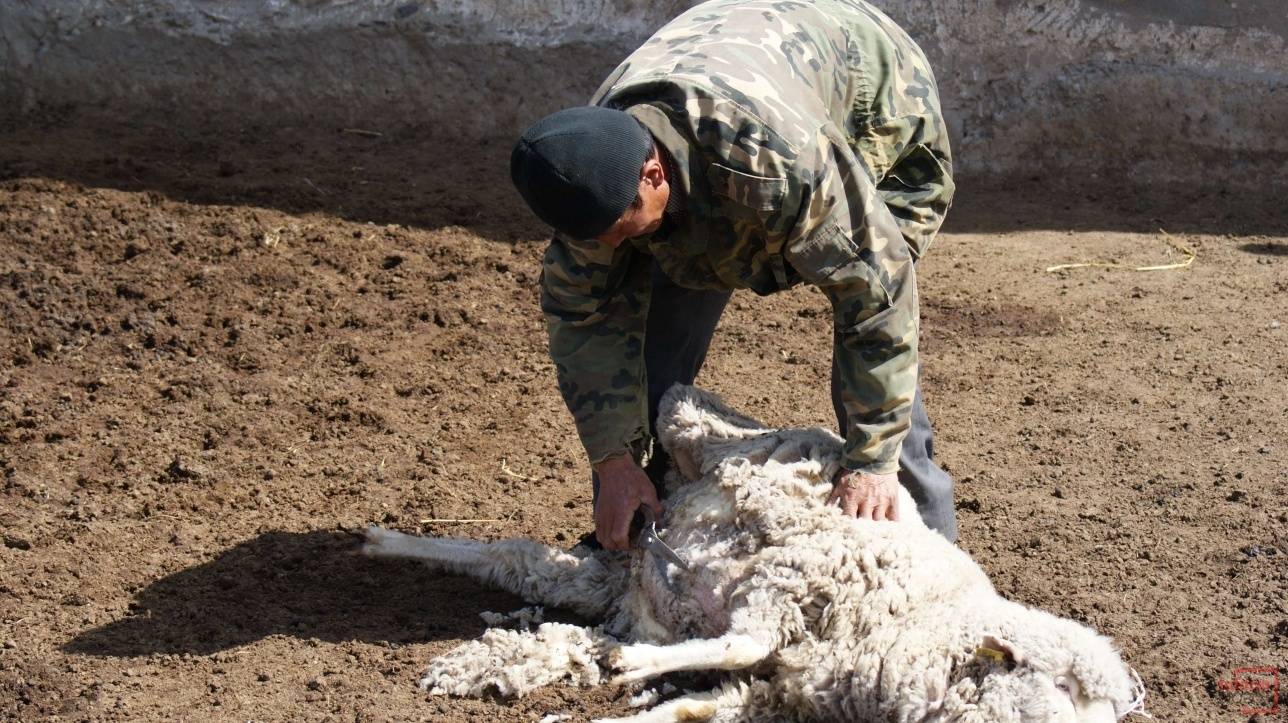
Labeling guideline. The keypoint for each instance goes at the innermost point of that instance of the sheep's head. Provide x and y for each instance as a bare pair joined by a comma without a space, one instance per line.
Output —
1051,669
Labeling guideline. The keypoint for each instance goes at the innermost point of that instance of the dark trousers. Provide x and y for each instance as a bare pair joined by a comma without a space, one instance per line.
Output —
681,323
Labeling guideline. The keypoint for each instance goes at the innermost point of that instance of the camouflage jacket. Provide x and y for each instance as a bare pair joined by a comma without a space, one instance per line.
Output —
810,149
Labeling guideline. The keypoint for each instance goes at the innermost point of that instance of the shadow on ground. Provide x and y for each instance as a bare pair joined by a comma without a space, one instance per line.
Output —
426,177
1268,248
309,585
410,177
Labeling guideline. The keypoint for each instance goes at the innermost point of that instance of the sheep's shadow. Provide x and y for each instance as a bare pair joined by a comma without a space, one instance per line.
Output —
306,585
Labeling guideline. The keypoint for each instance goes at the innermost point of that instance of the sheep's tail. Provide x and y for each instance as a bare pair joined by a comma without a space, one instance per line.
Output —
1137,704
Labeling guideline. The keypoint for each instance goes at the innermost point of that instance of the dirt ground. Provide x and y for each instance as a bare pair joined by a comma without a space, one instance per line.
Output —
225,346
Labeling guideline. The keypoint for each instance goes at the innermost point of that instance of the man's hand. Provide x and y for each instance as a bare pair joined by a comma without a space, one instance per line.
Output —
867,496
623,487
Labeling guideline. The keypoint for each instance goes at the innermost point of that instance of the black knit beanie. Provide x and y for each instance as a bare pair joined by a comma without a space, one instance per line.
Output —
579,169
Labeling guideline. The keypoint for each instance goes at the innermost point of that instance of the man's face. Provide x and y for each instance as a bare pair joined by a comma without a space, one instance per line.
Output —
646,217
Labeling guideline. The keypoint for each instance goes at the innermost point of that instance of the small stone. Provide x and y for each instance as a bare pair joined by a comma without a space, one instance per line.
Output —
1146,555
181,470
10,644
1057,493
14,542
1274,324
316,684
263,677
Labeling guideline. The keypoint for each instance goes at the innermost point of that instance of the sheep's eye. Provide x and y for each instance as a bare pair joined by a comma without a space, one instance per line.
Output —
1064,685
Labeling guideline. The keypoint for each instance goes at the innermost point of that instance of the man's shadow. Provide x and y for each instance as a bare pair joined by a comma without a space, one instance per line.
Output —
306,585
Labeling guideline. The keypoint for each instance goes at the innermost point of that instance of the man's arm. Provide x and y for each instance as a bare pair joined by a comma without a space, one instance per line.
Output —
595,299
919,189
848,244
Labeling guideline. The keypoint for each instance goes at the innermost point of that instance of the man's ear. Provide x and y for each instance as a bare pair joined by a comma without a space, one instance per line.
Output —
652,172
1000,650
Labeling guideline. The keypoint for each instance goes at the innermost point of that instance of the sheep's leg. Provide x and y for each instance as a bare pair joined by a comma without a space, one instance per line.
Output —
537,573
732,651
755,628
446,552
725,704
696,707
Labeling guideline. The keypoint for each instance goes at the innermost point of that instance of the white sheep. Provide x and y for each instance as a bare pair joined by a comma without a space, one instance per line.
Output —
813,615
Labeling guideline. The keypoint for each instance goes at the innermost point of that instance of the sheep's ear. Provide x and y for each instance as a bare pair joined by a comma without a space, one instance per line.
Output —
1000,650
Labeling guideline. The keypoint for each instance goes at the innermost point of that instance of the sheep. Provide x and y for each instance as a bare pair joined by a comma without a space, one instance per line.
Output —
807,614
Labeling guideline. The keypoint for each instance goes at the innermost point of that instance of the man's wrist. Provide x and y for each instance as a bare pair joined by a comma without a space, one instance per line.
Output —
873,468
622,458
635,450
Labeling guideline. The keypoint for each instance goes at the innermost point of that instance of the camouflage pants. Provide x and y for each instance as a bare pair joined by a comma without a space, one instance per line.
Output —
681,322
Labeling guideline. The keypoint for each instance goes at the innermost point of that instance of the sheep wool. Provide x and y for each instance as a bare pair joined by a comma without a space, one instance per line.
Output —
806,614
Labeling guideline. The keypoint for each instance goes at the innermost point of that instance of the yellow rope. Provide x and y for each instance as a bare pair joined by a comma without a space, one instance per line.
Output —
1171,241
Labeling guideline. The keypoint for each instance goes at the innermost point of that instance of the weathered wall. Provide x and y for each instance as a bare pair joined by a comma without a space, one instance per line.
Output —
1143,90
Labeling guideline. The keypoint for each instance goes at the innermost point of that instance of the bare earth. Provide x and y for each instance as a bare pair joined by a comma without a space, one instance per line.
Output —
225,346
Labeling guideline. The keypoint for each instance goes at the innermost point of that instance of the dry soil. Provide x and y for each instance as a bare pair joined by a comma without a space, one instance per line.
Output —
224,346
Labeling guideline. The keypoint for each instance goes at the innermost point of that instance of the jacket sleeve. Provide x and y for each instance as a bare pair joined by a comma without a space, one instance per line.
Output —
918,191
595,300
848,244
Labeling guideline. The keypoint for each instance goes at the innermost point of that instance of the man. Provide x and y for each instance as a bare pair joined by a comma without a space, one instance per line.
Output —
749,144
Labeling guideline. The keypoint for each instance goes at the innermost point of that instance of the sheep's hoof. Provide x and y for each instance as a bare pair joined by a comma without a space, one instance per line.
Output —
613,660
626,661
375,540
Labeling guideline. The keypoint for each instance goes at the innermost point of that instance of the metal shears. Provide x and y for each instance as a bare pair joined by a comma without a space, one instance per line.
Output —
649,540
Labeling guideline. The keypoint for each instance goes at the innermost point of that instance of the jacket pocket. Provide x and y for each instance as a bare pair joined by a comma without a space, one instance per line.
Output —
918,168
829,257
758,193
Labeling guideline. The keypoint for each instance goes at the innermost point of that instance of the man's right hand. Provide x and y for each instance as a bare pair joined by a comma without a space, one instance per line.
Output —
623,487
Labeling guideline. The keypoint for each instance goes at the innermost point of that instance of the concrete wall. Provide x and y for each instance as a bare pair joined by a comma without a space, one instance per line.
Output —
1135,90
1150,89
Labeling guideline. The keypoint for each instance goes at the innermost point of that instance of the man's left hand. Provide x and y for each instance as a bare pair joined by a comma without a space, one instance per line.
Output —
867,496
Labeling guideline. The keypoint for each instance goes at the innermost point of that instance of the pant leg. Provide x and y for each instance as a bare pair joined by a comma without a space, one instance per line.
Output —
927,482
677,335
